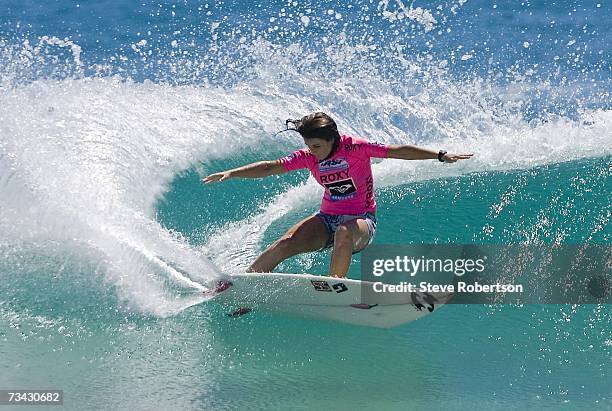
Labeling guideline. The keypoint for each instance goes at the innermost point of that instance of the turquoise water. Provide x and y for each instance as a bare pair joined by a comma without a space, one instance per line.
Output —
490,357
110,116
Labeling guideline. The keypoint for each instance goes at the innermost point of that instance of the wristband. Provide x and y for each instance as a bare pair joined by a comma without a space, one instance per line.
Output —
441,154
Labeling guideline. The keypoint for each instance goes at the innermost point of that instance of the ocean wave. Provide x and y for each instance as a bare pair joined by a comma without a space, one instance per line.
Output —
85,159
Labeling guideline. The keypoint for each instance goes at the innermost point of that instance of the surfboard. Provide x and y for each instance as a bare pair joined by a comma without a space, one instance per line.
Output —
322,298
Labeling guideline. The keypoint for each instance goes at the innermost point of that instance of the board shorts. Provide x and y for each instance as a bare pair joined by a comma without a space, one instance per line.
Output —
332,222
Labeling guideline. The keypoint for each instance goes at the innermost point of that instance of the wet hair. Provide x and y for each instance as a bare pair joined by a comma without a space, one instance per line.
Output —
317,125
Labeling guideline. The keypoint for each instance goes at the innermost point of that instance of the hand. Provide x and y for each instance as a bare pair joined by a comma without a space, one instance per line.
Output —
451,158
217,177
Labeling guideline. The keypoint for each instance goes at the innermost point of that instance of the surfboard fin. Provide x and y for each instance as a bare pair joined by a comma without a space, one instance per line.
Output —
364,306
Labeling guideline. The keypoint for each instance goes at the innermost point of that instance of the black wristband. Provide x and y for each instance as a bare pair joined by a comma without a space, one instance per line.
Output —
441,154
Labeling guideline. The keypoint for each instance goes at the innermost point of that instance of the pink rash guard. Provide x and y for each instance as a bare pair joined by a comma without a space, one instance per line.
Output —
346,176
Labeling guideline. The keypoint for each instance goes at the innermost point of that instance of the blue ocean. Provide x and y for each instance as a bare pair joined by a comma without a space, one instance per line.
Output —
112,112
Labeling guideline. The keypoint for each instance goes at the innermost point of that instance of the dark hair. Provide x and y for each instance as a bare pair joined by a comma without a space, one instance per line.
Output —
318,125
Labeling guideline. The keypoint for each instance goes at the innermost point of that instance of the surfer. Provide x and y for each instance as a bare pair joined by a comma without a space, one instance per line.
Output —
346,221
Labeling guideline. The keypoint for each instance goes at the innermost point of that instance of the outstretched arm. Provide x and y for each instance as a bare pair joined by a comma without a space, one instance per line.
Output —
410,152
253,170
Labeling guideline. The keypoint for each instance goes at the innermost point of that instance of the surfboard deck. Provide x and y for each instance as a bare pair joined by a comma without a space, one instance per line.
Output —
323,298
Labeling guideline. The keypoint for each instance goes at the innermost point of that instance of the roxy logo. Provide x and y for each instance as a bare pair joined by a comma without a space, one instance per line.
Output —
290,157
341,190
352,147
330,178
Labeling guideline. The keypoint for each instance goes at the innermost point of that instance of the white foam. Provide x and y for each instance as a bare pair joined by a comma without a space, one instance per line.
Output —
417,14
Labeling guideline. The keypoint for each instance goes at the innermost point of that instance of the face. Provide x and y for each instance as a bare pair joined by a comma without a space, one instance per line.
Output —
319,147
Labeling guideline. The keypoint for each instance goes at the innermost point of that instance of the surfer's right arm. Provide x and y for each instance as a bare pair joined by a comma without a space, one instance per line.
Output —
253,170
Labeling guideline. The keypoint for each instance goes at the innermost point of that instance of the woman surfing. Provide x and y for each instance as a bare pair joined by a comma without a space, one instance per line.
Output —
346,221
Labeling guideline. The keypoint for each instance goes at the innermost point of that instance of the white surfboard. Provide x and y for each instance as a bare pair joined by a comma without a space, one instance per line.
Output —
324,298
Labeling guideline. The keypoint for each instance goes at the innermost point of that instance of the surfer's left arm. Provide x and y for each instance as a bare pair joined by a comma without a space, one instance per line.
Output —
410,152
